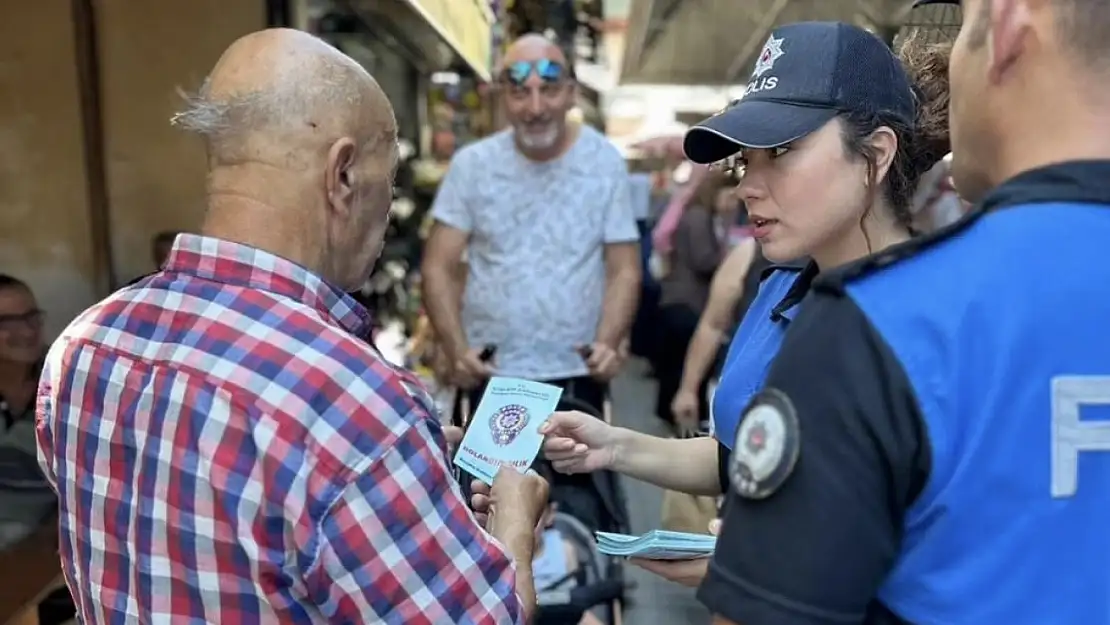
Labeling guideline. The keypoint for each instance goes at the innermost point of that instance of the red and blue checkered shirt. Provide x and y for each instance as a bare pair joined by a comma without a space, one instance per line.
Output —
227,450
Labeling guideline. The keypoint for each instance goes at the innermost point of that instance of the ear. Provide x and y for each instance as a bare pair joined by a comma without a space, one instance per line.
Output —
573,88
1009,25
884,145
338,176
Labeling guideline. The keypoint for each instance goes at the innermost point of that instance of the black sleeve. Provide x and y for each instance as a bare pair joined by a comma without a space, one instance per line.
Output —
816,544
724,457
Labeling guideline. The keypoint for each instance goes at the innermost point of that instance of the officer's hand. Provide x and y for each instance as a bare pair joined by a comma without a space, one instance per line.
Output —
603,361
688,573
576,442
471,370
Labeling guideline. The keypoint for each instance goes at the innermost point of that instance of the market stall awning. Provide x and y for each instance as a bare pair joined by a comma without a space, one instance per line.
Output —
932,23
715,42
465,26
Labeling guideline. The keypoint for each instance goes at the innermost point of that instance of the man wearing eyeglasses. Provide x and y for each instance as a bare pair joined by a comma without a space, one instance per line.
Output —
21,350
543,212
25,496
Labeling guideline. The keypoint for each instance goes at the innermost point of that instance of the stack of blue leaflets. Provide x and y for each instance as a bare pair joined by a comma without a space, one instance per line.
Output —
657,545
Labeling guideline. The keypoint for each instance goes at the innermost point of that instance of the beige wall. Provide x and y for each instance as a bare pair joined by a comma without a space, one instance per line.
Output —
44,224
155,174
149,50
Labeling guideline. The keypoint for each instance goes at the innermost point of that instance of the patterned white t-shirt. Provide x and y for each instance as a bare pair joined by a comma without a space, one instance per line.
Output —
537,236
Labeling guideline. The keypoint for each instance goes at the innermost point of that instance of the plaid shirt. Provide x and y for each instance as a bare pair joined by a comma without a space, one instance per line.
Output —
226,450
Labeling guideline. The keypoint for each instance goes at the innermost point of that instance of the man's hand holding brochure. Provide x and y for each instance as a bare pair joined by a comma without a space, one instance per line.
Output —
499,446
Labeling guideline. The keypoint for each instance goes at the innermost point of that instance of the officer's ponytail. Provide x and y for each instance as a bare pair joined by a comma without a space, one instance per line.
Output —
927,65
919,147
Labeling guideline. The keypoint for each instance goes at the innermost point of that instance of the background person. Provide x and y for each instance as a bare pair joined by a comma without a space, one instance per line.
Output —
700,245
22,347
732,290
543,212
25,499
160,247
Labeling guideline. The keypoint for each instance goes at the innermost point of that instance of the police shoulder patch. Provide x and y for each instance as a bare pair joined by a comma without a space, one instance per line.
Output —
767,445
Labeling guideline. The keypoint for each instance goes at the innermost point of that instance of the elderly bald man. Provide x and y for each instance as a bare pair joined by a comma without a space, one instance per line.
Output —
225,447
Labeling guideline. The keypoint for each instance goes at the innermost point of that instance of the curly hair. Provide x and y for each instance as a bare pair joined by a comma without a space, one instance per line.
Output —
919,146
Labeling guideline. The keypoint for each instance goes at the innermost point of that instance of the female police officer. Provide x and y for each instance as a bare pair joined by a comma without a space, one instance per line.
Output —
933,442
833,137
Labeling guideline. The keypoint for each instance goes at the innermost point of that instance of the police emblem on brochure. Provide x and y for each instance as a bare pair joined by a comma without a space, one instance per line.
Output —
507,422
504,429
766,447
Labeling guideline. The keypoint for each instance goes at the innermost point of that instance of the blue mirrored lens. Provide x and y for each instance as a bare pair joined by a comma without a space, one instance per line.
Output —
519,71
547,70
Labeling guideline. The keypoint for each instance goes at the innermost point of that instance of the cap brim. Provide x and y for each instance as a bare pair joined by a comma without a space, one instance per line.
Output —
752,124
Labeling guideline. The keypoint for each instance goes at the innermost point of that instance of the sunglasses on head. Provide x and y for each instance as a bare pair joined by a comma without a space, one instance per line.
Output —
548,71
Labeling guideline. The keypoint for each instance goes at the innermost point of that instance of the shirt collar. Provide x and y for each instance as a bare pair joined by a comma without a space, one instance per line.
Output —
787,307
1071,182
236,264
1078,182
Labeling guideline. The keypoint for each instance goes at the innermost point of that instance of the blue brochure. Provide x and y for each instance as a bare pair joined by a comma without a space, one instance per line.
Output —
657,545
505,427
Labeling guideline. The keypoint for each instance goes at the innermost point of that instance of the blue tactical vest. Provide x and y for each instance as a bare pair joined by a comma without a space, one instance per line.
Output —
752,349
1003,329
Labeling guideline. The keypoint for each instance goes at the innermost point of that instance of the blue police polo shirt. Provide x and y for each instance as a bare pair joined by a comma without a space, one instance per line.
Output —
753,347
932,446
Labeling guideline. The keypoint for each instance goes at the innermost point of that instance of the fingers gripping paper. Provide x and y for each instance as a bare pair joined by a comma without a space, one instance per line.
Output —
505,427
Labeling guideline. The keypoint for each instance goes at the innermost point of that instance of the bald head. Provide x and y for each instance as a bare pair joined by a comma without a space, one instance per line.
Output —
302,153
281,90
537,87
533,47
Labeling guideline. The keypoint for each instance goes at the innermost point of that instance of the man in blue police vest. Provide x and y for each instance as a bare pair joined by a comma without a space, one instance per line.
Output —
933,442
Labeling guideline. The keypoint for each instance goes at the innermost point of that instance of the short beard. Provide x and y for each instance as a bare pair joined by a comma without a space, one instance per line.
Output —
543,141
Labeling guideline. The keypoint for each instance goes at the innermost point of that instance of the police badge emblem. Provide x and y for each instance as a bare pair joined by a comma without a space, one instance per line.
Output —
507,423
767,445
772,50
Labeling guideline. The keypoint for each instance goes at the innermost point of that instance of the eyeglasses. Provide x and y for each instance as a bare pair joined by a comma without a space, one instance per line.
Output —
548,71
31,319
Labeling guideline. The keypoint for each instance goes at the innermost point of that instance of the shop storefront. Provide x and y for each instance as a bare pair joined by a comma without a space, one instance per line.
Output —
715,42
98,169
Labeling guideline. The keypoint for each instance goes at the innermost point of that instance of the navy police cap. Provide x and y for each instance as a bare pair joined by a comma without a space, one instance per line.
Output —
806,74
